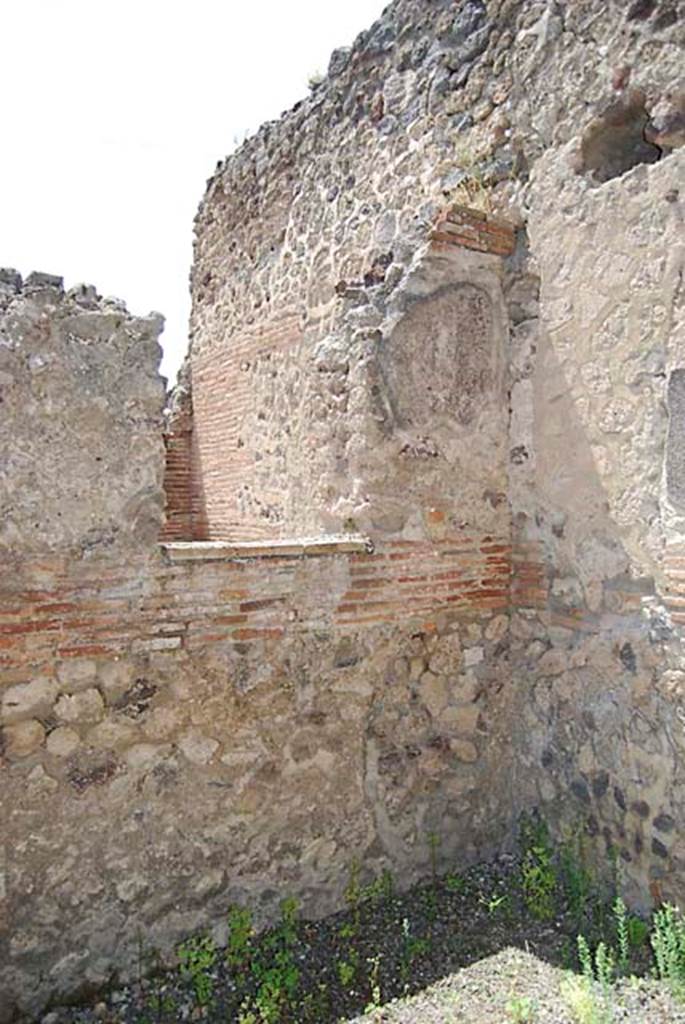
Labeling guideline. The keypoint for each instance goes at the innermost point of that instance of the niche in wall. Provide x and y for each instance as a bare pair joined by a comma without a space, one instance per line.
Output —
615,142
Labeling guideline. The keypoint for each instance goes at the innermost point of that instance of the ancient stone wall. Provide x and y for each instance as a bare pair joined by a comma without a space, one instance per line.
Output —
186,726
80,468
306,237
600,665
206,732
567,118
475,414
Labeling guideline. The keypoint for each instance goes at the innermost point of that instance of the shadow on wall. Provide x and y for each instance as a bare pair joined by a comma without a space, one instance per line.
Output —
600,741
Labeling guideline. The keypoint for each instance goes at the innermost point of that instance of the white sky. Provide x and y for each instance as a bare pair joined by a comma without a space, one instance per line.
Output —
113,115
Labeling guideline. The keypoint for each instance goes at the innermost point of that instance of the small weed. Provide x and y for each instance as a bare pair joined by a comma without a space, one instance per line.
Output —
412,947
316,1005
353,899
581,1000
162,1005
538,874
274,968
495,902
621,923
638,931
347,969
521,1010
374,983
456,883
240,930
288,926
668,944
576,877
589,996
197,957
472,191
379,891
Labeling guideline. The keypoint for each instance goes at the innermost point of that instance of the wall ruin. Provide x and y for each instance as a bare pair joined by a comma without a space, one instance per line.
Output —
423,554
231,686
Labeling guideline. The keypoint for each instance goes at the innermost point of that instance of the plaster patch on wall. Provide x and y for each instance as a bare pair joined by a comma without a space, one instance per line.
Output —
440,360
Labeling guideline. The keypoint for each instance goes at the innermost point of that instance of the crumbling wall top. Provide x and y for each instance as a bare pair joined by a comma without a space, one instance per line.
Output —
81,453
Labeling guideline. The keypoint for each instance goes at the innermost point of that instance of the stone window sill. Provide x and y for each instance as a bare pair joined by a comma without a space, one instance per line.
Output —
215,550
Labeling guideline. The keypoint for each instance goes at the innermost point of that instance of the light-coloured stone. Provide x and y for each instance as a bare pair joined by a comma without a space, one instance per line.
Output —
83,707
143,756
553,663
157,643
473,656
464,750
23,738
39,782
162,722
417,666
115,678
434,692
113,734
197,748
76,674
63,741
462,719
464,688
26,700
497,628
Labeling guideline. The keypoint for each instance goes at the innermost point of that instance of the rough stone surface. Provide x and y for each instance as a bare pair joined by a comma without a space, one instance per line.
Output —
438,303
104,431
675,455
23,739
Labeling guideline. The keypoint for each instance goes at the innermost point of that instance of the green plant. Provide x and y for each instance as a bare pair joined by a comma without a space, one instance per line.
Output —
269,999
521,1010
495,901
374,983
162,1005
472,191
603,965
456,883
353,899
581,999
668,943
638,931
347,970
412,947
315,1005
197,957
589,996
538,874
621,922
239,943
577,879
288,924
381,890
